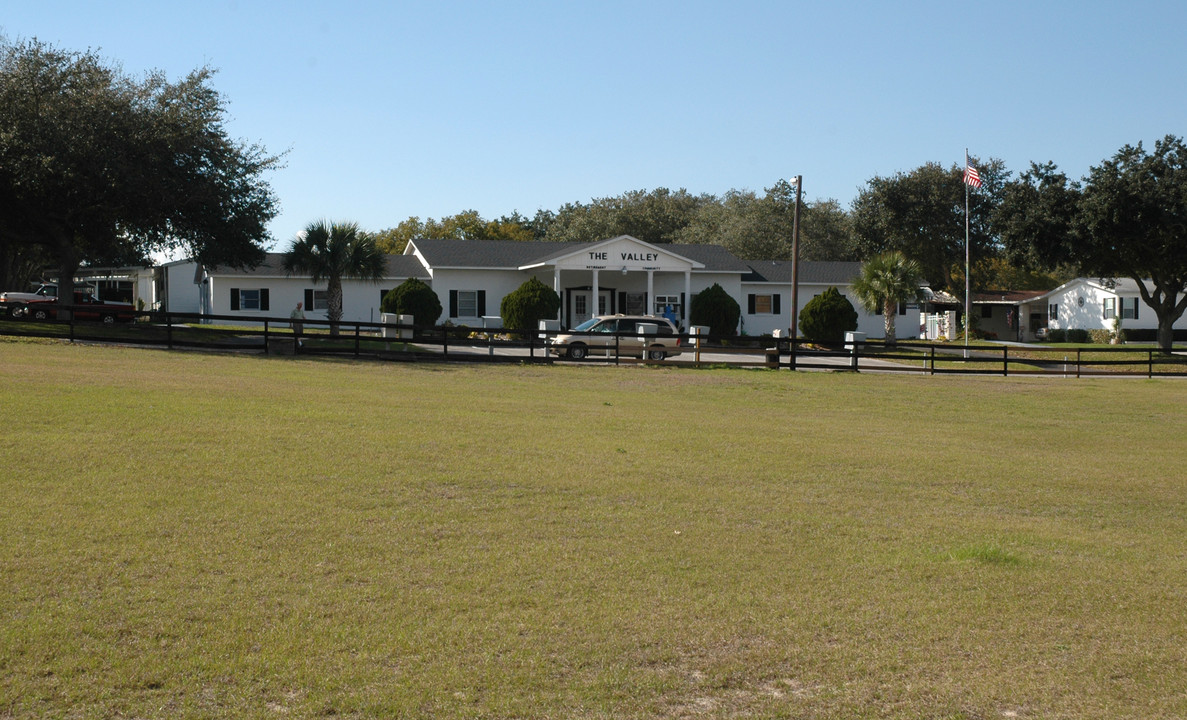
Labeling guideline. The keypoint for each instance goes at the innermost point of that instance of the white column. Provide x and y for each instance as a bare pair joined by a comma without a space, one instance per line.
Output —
556,287
593,309
687,299
650,309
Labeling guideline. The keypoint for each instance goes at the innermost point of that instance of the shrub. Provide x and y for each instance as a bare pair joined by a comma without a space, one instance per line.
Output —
1077,335
1057,336
1100,337
827,317
714,307
527,305
414,298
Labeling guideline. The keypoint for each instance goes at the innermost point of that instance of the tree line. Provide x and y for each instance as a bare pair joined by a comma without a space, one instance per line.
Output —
752,226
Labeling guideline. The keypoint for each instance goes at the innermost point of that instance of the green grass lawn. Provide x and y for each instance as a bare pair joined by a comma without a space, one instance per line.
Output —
203,535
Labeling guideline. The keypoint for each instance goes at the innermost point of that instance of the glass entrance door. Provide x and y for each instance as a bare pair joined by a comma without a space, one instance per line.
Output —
582,306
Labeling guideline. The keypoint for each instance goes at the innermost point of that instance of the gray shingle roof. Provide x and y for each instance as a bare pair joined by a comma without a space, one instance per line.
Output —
398,266
512,254
811,271
487,253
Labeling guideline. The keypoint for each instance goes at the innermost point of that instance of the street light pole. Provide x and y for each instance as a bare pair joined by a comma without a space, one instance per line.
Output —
795,265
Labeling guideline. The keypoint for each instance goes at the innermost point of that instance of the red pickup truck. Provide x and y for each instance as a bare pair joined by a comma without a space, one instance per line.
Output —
87,307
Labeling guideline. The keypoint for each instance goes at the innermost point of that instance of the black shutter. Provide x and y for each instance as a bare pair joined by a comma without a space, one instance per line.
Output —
263,299
1136,303
308,299
481,303
775,304
622,304
902,308
750,304
234,298
683,308
453,303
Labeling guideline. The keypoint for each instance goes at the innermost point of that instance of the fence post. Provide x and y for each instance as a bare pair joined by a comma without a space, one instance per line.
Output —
933,359
856,351
169,330
616,351
791,361
70,323
1150,367
266,348
356,339
1078,363
1005,361
445,343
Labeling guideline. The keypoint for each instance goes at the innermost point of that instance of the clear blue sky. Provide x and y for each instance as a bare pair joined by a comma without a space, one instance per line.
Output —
392,109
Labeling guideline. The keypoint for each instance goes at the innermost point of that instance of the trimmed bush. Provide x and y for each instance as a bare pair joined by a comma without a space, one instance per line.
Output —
1057,336
827,317
414,298
717,309
527,305
1077,335
1100,337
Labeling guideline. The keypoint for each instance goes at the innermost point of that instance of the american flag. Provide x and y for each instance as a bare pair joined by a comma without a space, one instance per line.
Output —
971,176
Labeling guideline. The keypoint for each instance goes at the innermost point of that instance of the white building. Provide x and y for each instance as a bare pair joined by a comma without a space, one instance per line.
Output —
1079,304
471,278
1093,303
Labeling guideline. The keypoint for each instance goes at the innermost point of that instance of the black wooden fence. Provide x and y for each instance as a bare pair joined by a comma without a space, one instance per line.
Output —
275,335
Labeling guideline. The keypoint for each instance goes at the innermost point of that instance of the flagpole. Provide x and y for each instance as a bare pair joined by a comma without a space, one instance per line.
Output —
968,319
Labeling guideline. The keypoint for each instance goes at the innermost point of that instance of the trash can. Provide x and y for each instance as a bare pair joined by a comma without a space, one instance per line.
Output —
772,354
852,339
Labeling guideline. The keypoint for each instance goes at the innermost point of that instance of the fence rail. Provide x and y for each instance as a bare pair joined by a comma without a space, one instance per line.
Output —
275,335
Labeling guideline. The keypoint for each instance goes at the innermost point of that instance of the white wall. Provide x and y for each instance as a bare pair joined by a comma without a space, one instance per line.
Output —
360,299
905,326
497,284
1090,315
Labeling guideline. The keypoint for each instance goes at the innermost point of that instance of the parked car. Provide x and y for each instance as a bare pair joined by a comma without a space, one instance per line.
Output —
601,335
87,307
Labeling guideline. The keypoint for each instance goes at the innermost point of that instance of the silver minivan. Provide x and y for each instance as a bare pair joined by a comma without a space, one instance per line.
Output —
601,335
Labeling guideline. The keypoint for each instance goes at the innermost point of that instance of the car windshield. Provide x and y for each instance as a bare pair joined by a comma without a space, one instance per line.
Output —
586,325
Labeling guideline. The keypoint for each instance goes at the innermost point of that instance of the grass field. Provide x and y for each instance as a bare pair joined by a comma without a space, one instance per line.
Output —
200,535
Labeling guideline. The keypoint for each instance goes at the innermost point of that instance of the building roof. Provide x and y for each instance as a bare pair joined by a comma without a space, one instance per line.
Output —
510,254
507,254
398,266
813,272
1006,297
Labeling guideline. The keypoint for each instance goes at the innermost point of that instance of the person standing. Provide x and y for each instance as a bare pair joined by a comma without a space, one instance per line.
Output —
296,318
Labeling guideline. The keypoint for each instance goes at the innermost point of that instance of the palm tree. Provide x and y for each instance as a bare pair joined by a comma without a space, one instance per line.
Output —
886,281
332,251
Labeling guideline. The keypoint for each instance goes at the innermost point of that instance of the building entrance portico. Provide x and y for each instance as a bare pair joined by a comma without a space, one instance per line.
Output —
642,273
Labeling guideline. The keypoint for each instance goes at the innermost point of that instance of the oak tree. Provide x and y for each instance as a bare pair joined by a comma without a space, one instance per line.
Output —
100,167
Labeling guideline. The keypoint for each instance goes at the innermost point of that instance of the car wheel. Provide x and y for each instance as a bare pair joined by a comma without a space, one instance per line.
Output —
108,319
655,354
577,352
39,314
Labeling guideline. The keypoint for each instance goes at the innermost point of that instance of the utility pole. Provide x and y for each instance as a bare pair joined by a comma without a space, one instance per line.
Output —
795,264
